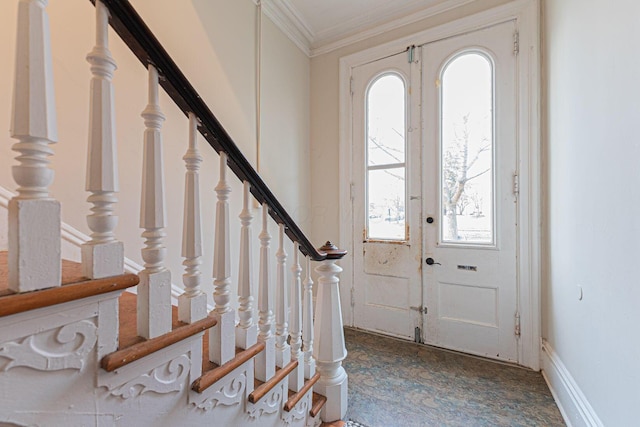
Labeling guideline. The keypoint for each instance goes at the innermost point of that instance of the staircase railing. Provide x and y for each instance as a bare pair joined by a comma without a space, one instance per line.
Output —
34,244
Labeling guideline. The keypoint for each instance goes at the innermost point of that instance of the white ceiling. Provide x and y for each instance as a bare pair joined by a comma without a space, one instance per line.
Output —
319,26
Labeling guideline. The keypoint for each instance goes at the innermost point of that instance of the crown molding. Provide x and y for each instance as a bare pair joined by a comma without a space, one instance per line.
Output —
289,21
329,41
287,18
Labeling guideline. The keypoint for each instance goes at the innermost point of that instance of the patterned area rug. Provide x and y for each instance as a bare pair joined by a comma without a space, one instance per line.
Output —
352,423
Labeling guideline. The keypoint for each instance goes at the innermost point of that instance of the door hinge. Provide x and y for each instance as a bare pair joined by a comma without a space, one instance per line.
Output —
516,184
351,85
516,43
421,309
353,298
411,50
352,191
517,328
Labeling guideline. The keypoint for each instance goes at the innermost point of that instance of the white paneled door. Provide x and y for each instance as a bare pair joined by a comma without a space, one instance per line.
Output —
435,193
386,196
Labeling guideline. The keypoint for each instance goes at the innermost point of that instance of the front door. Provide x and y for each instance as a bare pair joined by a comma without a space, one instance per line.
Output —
387,239
434,149
470,193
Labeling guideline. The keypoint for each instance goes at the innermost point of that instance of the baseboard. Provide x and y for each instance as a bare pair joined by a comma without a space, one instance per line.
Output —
573,404
76,238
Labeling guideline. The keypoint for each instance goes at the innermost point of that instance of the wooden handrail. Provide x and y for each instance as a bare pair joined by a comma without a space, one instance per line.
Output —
293,400
130,354
214,375
138,37
262,390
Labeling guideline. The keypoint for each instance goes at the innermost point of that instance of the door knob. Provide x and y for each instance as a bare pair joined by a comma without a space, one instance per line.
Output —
431,261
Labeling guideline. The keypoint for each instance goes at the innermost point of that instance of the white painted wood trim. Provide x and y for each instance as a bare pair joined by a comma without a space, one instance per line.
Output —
293,25
283,351
325,43
192,305
289,22
526,13
573,404
76,237
222,335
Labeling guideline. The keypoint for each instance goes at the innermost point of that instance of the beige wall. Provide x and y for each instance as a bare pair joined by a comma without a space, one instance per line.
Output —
593,199
325,117
213,42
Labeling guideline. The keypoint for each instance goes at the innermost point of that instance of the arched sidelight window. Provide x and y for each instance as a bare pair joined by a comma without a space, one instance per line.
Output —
467,150
385,157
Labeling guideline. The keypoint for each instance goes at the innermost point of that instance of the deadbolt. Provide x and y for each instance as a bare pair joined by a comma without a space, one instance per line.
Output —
430,219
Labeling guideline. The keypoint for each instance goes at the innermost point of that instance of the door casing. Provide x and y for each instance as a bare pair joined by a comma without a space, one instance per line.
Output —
526,15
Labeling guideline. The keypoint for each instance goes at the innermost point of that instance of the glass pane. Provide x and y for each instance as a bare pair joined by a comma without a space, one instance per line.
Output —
386,197
386,121
467,150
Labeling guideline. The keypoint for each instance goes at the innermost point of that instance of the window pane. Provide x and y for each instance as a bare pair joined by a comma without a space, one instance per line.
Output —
467,150
386,197
386,121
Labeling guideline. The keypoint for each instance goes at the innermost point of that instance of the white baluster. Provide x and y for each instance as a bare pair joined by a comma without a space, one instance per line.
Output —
283,351
246,331
265,361
296,378
330,350
222,336
192,304
34,217
103,255
154,290
307,324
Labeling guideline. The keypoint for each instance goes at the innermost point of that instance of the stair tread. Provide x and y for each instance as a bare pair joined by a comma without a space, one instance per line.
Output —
71,273
317,402
211,376
263,388
74,286
295,397
132,347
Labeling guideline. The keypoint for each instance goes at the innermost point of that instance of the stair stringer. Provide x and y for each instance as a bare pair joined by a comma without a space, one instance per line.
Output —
49,358
231,391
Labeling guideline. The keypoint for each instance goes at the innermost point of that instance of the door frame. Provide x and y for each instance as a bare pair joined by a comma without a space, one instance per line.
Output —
526,13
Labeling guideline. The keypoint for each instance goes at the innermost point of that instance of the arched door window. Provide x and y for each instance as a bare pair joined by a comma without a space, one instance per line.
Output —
385,158
467,149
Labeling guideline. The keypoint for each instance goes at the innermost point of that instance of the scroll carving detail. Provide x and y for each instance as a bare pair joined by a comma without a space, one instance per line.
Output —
61,348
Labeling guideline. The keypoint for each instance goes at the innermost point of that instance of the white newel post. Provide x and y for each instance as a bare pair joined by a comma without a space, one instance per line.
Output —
34,216
154,290
296,378
265,360
192,304
222,336
246,330
283,351
307,324
330,350
103,255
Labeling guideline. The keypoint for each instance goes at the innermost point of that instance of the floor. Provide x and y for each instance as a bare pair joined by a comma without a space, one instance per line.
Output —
399,383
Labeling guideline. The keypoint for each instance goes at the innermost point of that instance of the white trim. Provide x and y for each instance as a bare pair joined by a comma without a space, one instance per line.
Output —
288,20
336,37
77,238
573,404
526,13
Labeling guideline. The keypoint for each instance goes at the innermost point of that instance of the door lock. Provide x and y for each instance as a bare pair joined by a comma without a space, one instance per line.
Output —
430,219
431,261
